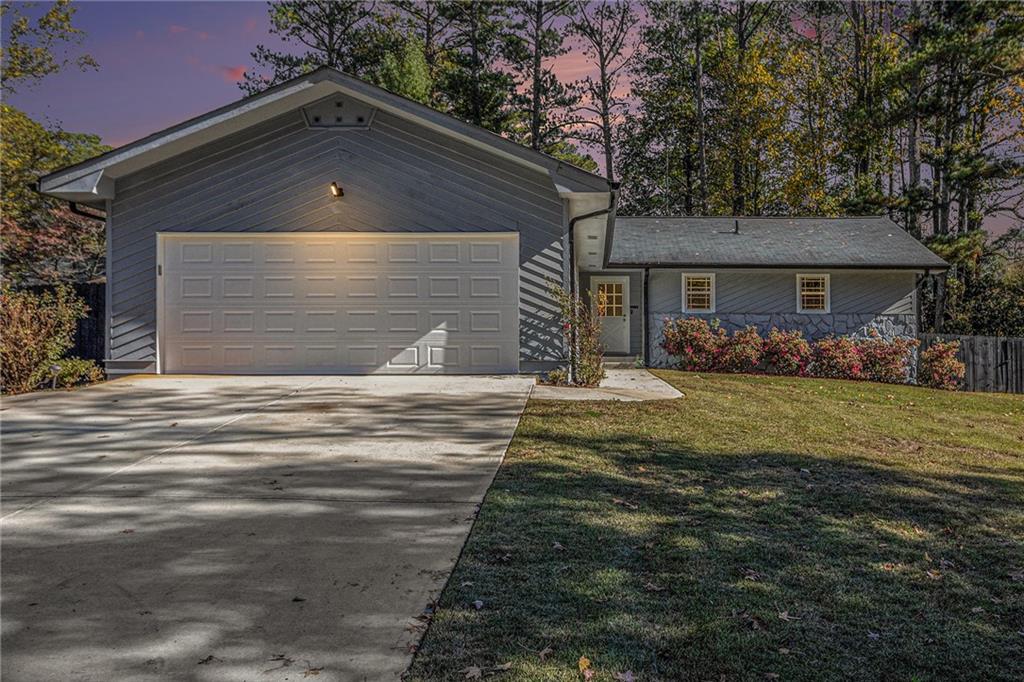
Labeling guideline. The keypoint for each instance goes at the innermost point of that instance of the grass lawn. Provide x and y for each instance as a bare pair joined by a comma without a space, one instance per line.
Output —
758,528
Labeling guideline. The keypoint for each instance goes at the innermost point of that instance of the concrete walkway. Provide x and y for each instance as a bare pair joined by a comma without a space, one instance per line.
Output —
619,384
244,528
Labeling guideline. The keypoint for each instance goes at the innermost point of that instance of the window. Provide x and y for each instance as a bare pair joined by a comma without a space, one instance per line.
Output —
699,293
609,299
812,294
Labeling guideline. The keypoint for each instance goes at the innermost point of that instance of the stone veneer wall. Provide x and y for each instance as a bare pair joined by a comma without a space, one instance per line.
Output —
813,326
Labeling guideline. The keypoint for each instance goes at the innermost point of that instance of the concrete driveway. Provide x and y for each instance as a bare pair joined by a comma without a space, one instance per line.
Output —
239,528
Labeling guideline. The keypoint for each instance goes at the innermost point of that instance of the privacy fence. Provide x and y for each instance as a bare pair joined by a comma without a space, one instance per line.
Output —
89,335
994,363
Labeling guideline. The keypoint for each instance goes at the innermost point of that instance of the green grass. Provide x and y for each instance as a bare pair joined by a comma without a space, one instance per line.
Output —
799,528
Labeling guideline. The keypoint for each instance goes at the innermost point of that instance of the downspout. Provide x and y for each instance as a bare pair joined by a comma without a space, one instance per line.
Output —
572,267
647,314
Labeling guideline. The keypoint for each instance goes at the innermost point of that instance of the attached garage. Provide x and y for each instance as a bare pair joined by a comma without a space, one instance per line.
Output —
326,225
347,303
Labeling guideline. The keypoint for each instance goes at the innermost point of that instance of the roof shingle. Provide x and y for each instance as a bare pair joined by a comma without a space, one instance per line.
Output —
863,242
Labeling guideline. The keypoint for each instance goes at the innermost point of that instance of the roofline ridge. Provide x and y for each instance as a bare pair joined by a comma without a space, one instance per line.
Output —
751,217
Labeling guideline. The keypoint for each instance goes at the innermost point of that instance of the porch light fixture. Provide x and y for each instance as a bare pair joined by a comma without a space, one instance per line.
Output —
337,190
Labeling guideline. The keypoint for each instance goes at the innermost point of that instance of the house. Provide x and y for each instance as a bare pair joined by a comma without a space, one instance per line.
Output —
329,226
843,276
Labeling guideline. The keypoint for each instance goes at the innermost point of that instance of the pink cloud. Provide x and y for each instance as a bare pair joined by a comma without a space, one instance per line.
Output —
202,35
174,29
140,34
250,25
232,74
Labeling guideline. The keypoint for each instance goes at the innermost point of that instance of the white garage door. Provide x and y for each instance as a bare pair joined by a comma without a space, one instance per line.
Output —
338,303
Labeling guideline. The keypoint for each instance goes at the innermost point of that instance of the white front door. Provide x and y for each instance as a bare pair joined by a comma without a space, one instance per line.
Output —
610,296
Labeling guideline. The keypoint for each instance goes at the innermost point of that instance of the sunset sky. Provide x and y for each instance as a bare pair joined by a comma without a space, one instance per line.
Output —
160,63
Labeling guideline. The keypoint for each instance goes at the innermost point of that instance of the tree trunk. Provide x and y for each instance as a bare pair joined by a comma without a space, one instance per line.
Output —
698,83
739,204
535,103
913,151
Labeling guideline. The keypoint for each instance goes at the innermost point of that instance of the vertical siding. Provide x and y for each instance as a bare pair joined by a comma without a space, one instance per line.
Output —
763,292
636,303
397,177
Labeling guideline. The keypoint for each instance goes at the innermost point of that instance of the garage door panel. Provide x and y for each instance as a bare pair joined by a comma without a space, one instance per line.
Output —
340,303
269,357
226,324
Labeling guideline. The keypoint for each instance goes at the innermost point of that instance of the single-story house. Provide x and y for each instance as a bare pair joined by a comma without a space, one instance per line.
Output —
842,276
326,225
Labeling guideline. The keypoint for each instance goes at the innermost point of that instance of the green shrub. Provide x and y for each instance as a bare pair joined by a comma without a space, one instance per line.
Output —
836,358
694,342
886,361
74,371
940,367
35,332
741,352
581,327
786,352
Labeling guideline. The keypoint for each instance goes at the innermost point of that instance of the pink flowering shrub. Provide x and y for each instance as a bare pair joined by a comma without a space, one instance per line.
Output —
786,352
940,367
836,358
886,361
741,352
694,342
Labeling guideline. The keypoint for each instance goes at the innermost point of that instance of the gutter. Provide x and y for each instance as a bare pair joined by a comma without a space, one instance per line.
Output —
73,206
610,212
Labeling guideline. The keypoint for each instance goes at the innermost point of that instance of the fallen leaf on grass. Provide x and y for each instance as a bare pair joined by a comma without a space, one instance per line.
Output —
784,615
558,546
624,503
544,653
933,574
624,677
472,672
651,587
751,574
478,604
784,651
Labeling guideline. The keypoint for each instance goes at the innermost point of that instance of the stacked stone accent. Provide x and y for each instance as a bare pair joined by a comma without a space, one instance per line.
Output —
813,326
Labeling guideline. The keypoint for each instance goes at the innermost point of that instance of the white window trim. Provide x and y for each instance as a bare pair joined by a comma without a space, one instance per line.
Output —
828,293
714,290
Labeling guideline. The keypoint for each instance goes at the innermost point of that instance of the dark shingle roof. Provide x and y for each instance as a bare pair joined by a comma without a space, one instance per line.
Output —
868,242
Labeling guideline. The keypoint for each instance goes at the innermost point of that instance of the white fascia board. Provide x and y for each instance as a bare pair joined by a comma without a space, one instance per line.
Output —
95,186
193,133
303,91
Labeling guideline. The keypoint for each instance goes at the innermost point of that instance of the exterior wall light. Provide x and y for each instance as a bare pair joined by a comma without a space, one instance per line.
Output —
337,190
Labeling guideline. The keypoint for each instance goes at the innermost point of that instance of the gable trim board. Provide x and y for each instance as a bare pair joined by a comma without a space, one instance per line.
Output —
82,182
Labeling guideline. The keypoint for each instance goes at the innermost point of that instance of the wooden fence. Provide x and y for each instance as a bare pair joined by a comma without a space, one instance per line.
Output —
994,363
89,337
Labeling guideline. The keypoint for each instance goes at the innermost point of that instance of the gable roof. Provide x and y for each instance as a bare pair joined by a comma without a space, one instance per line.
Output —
859,242
93,178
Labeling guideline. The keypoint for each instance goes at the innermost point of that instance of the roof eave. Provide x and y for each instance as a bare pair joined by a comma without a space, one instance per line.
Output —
569,177
778,266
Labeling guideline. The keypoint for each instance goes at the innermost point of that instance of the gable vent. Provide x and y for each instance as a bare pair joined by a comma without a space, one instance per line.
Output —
338,112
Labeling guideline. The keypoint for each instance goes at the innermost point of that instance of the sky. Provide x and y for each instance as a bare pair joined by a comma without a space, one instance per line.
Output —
160,63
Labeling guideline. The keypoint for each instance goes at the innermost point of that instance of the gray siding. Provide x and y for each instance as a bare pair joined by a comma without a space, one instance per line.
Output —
764,292
397,177
863,303
636,304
